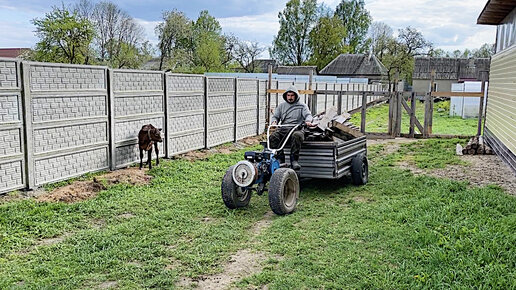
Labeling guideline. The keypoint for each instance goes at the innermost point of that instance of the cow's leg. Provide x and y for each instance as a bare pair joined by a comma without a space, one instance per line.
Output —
141,158
149,158
157,153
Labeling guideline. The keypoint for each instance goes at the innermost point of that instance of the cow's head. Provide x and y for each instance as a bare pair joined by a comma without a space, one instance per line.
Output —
155,135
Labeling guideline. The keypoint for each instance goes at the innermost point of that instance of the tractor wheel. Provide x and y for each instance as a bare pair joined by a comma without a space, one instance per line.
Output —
233,195
283,191
359,169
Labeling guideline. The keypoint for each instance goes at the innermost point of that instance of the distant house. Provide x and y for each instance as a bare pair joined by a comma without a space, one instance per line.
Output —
296,70
447,71
356,66
500,126
13,52
262,65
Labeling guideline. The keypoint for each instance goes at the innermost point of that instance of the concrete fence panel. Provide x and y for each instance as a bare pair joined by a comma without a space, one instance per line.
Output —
186,113
221,115
12,166
247,100
67,121
137,99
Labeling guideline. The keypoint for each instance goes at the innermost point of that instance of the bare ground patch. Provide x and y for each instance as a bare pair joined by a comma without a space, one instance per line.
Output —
242,264
83,190
483,170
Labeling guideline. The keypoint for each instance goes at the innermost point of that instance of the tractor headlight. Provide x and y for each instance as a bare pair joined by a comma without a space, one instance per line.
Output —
244,173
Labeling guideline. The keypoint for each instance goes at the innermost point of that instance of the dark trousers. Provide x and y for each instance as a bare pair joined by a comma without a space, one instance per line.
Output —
277,138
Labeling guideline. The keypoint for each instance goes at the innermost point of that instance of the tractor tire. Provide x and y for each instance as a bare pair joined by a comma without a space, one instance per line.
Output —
359,169
283,191
233,195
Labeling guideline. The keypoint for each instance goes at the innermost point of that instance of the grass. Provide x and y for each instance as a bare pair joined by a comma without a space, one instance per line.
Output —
398,231
377,120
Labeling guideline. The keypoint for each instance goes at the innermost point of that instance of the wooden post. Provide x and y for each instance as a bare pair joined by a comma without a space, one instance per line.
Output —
391,108
429,107
363,117
412,114
398,112
310,97
269,86
481,110
339,103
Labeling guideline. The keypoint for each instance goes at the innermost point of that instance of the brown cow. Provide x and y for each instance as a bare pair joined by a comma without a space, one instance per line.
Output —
148,136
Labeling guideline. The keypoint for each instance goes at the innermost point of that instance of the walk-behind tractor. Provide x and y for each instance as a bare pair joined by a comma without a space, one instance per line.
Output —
318,159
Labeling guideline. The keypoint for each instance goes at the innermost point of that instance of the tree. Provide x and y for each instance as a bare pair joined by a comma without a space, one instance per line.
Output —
356,20
64,37
245,53
174,34
379,34
325,41
485,51
398,54
290,45
208,44
119,39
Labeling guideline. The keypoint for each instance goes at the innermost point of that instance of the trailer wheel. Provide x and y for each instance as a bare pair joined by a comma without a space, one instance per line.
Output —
359,169
283,191
233,195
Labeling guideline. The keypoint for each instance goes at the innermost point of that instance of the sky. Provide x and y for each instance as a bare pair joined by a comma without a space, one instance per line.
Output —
449,25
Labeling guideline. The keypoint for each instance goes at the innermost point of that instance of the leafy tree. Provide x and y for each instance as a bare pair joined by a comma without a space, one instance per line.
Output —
64,37
485,51
325,41
119,39
356,20
290,46
208,44
174,34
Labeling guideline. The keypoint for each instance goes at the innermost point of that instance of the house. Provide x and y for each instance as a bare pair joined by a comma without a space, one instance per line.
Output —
262,65
500,124
356,66
296,70
13,52
447,71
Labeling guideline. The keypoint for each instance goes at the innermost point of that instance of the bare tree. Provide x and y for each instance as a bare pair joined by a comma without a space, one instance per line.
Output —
174,33
245,53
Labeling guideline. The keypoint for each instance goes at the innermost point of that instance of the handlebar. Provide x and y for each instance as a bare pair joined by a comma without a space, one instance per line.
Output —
294,128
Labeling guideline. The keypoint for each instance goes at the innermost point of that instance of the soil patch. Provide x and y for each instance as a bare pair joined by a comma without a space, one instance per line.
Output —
483,170
108,285
224,149
83,190
242,264
262,224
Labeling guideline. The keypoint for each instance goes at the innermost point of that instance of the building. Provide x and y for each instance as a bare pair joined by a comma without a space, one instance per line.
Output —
356,66
296,70
500,125
447,71
13,52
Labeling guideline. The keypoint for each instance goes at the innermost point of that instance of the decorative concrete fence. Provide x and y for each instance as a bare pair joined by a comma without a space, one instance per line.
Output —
59,121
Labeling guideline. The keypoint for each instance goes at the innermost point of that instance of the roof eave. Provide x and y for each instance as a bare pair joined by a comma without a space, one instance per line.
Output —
495,11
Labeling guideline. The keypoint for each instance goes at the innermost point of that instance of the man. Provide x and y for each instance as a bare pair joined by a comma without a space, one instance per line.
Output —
292,112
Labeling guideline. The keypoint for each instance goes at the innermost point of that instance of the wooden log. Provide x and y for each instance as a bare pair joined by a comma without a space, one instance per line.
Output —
347,129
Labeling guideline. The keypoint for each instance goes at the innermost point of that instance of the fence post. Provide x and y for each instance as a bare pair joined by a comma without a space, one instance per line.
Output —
363,117
111,118
258,107
165,111
27,123
206,112
412,114
429,107
235,96
481,109
398,112
339,103
269,86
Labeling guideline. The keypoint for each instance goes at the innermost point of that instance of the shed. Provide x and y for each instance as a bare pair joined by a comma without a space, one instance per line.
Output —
447,71
356,66
296,70
500,124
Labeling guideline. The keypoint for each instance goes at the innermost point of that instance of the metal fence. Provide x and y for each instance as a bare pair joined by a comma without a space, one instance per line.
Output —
59,121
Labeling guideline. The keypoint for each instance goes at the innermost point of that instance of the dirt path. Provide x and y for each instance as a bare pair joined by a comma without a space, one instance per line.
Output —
243,263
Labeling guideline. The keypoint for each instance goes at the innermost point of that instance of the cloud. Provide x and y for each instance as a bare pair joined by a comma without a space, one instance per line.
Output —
148,28
261,28
447,24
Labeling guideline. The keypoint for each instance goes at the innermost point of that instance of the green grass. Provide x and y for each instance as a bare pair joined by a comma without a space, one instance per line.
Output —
377,120
398,231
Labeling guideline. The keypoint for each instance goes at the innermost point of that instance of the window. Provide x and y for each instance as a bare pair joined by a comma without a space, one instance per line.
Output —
506,32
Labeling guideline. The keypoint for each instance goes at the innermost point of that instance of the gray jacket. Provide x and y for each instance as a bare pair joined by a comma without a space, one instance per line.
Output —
291,114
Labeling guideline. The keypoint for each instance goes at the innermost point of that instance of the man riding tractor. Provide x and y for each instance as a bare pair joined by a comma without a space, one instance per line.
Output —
292,112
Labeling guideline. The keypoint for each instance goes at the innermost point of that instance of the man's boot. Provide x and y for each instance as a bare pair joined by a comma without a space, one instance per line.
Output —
294,162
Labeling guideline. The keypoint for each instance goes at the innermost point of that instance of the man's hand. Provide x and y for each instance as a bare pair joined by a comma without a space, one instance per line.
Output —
310,124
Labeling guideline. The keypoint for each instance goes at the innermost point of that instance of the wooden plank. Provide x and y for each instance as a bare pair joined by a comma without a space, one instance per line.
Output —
437,136
457,94
346,129
481,110
412,116
301,92
363,117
